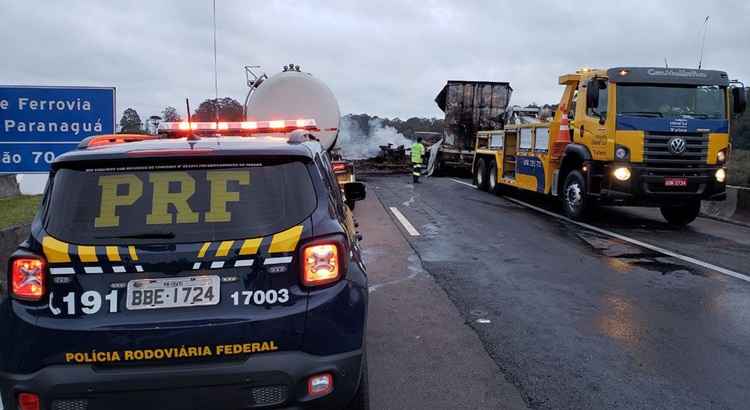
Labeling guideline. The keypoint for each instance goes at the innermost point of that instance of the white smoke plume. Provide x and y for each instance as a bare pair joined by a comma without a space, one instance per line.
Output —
355,143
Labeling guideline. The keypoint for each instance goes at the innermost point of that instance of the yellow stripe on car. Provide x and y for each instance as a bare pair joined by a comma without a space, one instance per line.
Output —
113,254
204,249
132,252
224,248
286,241
250,246
55,251
87,253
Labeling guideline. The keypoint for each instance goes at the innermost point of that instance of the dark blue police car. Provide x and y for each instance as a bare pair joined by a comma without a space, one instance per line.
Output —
188,273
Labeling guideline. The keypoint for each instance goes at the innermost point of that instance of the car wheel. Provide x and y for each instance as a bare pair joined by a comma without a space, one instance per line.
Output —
480,175
681,215
361,399
574,201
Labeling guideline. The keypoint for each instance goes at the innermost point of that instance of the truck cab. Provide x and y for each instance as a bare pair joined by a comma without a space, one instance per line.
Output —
647,137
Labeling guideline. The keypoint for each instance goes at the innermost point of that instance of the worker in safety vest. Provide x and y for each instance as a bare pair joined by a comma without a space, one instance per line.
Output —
417,151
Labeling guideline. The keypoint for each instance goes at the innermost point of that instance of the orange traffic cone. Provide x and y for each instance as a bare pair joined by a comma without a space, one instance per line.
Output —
563,136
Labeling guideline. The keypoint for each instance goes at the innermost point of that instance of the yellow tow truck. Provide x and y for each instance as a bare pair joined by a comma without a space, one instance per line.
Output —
640,136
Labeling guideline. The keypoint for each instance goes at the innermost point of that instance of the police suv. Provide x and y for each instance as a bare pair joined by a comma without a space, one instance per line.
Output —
189,271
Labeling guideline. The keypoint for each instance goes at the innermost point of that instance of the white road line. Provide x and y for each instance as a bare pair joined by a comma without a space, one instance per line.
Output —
744,188
636,242
463,183
404,222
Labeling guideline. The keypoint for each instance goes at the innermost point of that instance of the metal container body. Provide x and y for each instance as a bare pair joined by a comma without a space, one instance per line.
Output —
294,95
472,106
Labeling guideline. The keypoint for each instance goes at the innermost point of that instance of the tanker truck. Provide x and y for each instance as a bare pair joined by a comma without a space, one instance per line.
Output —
303,96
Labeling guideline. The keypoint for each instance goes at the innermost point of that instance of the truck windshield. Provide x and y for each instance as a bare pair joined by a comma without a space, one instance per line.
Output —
190,203
702,102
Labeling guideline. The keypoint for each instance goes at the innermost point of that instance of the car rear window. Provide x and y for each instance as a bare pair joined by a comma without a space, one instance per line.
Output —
178,203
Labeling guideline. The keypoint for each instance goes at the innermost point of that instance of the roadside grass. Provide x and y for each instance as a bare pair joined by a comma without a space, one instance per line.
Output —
739,167
18,210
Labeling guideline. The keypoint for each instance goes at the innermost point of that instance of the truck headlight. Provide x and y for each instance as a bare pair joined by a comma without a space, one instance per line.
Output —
621,153
721,157
622,173
721,175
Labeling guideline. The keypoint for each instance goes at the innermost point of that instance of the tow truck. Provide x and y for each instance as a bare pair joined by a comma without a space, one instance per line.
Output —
641,136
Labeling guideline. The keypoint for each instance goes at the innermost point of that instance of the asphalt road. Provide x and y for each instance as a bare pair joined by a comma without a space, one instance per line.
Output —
577,319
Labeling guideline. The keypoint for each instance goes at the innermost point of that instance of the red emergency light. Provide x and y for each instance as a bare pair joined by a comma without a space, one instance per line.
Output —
240,128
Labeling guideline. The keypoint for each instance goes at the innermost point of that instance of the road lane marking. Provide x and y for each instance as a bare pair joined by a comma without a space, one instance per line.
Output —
744,188
624,238
404,222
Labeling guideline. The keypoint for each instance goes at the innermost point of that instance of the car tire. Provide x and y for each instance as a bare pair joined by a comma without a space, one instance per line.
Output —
492,183
681,215
480,175
361,400
575,203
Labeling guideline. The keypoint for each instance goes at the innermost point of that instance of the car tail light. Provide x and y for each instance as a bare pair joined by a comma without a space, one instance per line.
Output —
339,166
27,278
28,401
323,261
320,384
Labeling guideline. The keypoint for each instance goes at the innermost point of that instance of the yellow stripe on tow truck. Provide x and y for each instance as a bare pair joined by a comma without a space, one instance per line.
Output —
55,251
286,241
87,253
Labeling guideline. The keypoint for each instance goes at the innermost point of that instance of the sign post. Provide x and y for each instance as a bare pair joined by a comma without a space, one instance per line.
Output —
37,124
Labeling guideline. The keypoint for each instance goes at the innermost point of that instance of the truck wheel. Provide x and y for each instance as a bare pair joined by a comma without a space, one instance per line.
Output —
574,200
480,175
681,215
361,400
494,187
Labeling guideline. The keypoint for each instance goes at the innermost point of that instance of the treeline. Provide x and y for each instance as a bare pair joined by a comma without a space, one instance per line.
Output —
406,128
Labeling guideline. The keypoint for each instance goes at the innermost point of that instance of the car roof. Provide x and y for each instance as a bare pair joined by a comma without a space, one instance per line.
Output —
201,147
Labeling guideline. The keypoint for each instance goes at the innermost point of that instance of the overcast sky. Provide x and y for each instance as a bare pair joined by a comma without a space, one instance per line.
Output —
379,57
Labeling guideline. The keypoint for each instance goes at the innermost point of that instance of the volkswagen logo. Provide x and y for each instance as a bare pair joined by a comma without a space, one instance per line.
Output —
677,145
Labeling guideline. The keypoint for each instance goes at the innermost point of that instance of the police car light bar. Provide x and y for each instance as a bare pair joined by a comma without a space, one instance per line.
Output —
244,127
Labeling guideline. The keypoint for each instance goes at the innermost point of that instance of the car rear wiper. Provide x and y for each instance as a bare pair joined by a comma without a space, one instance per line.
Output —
643,113
145,235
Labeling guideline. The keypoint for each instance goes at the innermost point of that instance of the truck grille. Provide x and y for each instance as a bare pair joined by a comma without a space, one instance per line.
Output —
660,161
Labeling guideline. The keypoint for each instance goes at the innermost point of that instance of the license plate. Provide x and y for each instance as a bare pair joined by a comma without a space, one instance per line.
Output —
675,182
173,292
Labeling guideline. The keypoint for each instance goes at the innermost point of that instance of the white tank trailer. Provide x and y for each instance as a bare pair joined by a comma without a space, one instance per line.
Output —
293,94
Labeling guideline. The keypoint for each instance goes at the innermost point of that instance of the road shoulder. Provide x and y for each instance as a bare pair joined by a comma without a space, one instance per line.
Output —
421,353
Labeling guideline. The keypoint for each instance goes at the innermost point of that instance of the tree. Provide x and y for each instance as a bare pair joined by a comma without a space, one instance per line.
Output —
228,109
169,114
131,122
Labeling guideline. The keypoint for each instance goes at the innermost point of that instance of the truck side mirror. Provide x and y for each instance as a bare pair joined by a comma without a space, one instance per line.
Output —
739,99
355,191
592,94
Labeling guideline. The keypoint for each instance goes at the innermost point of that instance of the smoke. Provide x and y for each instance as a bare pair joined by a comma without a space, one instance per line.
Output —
356,143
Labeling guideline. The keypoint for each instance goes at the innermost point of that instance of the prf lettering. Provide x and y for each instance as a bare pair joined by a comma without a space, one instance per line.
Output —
169,188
